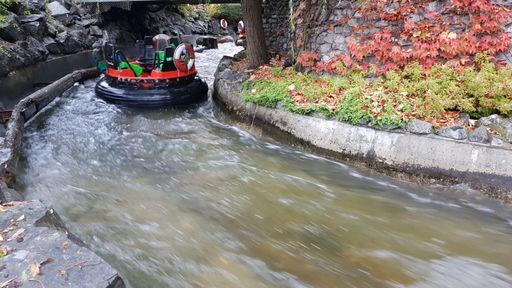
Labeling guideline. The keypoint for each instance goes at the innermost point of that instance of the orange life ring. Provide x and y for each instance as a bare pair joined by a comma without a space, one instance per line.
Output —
223,24
184,57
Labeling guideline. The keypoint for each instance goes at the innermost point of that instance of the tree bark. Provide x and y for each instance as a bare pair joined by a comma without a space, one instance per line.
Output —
256,46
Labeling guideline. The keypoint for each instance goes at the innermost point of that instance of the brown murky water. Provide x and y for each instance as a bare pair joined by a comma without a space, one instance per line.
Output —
173,198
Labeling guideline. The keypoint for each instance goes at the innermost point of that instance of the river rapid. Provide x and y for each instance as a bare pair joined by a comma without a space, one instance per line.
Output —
174,198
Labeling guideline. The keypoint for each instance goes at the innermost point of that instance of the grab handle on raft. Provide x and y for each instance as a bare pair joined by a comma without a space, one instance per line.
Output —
123,58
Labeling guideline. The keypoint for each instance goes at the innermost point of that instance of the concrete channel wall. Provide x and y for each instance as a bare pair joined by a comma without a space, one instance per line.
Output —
36,232
424,159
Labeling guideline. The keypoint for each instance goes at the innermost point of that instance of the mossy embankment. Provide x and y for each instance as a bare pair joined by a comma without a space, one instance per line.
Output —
328,116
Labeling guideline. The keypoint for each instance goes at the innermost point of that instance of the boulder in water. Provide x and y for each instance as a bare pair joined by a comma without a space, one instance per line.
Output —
226,39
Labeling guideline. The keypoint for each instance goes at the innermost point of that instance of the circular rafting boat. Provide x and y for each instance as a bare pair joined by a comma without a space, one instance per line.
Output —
165,75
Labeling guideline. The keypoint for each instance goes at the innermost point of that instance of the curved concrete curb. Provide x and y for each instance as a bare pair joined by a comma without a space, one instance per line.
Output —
420,158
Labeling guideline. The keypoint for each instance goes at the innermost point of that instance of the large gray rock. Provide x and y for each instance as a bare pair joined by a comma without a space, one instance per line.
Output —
34,5
87,22
20,54
486,121
419,127
43,249
77,10
456,132
207,42
480,135
52,46
225,39
214,27
71,42
35,29
98,43
54,27
30,18
10,29
67,20
95,31
56,9
464,119
498,124
504,127
8,195
198,27
495,141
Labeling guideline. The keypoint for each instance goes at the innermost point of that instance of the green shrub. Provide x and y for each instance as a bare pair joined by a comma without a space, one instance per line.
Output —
186,10
5,5
231,12
414,92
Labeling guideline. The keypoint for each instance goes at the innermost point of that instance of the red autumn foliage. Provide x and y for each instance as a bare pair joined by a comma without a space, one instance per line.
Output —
464,29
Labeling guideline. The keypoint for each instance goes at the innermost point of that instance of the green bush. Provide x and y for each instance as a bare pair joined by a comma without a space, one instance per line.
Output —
186,10
231,12
5,5
392,99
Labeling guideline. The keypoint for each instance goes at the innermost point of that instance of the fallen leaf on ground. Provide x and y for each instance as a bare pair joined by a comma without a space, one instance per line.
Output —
3,252
15,235
48,260
16,203
35,269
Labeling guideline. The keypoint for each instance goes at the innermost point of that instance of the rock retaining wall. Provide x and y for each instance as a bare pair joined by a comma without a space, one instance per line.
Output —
64,27
328,36
423,158
40,29
276,15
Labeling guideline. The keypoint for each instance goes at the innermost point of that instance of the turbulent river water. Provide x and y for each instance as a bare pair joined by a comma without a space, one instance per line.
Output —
173,198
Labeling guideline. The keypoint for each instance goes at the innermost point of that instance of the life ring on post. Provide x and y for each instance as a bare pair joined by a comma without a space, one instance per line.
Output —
184,57
223,24
241,28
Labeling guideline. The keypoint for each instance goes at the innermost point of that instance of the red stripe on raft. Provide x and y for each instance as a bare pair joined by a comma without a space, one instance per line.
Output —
155,75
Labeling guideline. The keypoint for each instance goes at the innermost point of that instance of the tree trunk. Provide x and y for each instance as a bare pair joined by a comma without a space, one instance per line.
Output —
256,47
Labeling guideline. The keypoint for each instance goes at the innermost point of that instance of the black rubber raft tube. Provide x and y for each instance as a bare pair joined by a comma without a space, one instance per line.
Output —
193,92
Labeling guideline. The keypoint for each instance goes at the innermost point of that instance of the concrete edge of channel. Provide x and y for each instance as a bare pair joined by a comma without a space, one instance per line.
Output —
10,150
424,159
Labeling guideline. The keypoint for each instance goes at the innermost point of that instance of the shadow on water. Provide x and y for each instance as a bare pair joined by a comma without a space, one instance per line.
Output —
173,198
25,81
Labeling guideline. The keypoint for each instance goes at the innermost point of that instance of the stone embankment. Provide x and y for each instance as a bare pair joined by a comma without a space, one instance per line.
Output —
40,29
417,153
36,249
328,35
40,252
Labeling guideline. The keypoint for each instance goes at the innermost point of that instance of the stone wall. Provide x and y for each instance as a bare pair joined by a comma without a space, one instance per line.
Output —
276,24
329,41
39,29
